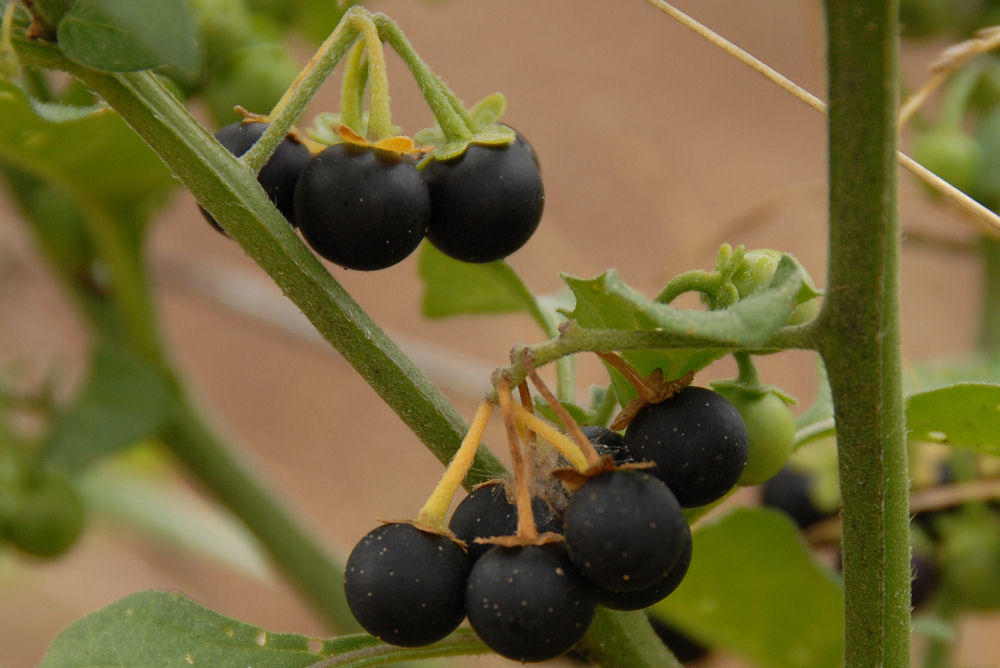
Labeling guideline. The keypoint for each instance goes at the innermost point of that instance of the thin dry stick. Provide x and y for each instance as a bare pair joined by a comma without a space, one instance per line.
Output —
525,515
987,217
951,59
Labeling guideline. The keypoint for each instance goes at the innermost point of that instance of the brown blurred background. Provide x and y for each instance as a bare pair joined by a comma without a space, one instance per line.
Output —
655,147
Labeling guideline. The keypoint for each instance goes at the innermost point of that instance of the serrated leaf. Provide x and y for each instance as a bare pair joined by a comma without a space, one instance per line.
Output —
966,415
454,288
607,302
123,401
127,35
776,605
156,628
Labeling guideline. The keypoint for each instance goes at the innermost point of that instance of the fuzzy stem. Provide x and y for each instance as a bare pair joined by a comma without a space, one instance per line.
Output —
988,338
455,124
352,89
379,110
571,426
860,329
434,511
308,82
690,281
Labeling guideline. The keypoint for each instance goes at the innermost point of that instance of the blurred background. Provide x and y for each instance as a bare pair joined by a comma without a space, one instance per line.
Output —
655,148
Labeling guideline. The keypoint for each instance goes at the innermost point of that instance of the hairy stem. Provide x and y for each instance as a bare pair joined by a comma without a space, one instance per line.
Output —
860,329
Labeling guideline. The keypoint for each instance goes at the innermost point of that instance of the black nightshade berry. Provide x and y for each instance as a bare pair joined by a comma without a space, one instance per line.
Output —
361,207
281,172
406,586
487,512
528,603
698,441
625,530
485,203
643,598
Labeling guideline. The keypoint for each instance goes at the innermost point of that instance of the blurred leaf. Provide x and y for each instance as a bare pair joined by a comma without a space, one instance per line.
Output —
607,302
775,605
454,288
316,19
95,158
126,35
158,509
965,415
123,401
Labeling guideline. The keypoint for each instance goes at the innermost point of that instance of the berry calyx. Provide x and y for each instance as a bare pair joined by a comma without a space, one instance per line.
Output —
624,530
360,207
406,585
528,603
697,440
486,203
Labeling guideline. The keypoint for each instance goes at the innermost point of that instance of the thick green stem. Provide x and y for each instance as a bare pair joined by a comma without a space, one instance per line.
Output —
989,313
860,329
296,552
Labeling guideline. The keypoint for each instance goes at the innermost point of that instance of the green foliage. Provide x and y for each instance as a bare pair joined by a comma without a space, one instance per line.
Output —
169,630
123,401
755,588
607,302
966,415
126,36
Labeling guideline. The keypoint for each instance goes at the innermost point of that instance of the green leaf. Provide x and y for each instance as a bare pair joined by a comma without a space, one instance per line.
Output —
607,302
95,157
155,628
454,288
127,35
965,415
123,401
167,630
755,589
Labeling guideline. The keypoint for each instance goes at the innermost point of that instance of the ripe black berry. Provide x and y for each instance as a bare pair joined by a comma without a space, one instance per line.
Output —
643,598
486,203
281,172
487,512
528,603
697,440
406,586
624,530
608,442
362,208
789,491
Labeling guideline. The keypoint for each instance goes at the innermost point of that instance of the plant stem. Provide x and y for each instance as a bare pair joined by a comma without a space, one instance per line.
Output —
860,341
232,196
352,91
989,314
294,549
626,640
453,119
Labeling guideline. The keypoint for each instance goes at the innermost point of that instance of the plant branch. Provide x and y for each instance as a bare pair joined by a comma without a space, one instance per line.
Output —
860,329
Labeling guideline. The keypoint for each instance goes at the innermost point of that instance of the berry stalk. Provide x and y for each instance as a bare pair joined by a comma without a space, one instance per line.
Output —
450,115
526,527
436,507
352,91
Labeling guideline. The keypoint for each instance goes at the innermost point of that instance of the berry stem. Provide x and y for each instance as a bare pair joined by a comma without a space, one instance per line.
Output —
697,280
748,376
434,510
352,91
306,85
449,113
586,447
566,446
632,375
525,515
528,437
379,110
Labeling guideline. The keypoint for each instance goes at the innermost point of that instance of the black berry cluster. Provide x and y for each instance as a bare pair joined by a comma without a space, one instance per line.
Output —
619,538
368,208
